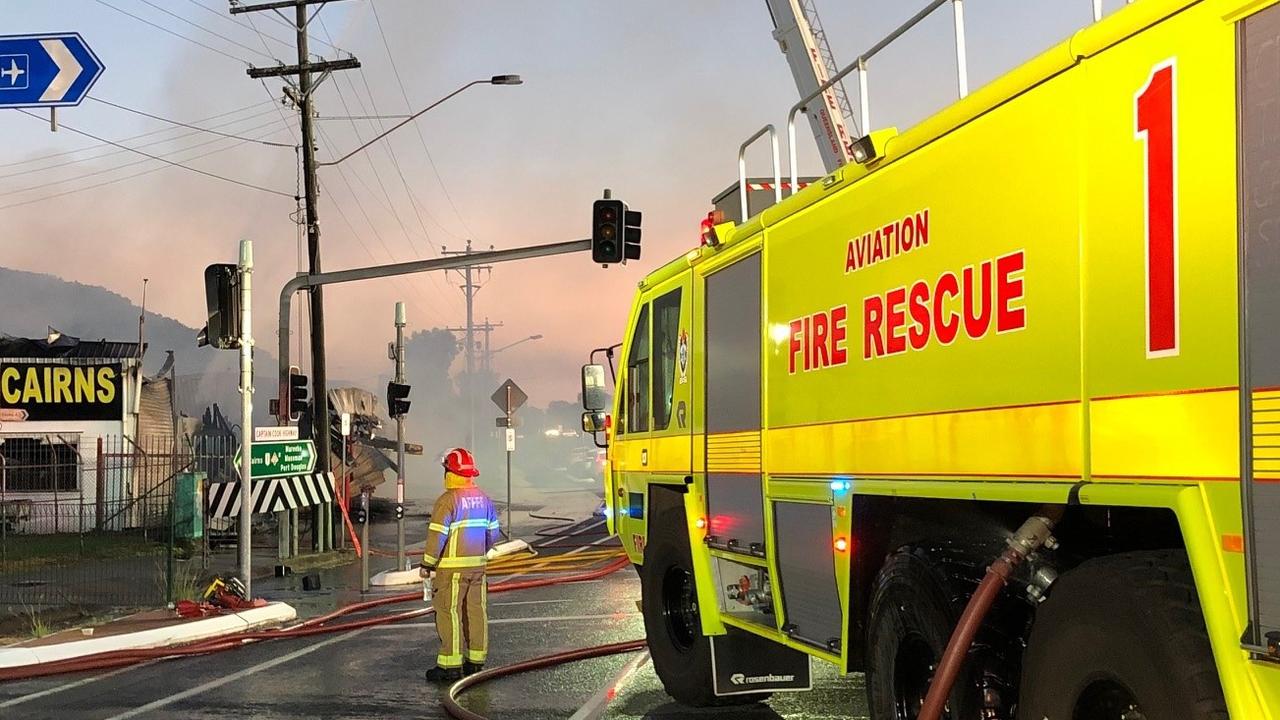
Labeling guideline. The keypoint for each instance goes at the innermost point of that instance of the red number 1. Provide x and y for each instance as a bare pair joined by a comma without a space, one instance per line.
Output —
1155,126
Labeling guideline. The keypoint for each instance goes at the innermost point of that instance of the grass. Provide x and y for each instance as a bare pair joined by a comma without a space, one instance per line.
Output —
36,623
186,581
65,547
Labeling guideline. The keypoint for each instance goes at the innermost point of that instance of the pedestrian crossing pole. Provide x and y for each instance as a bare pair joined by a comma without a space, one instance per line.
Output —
399,351
246,413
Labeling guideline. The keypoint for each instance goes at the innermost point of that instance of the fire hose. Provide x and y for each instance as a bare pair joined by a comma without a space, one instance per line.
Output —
450,699
1034,533
314,626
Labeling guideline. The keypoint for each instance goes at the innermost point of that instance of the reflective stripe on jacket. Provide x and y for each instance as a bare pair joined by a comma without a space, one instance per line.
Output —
464,525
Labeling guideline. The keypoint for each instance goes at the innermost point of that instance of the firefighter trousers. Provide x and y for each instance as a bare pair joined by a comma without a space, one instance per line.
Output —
460,598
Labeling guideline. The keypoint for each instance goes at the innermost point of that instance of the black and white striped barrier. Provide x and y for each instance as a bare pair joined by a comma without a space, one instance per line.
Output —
272,494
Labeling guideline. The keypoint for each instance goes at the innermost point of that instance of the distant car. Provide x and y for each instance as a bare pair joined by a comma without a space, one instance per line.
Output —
586,463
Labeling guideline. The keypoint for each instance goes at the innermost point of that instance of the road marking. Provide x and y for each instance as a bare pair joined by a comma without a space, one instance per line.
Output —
594,707
512,621
212,684
71,685
520,602
537,566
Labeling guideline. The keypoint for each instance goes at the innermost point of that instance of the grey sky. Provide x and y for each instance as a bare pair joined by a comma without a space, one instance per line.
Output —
648,98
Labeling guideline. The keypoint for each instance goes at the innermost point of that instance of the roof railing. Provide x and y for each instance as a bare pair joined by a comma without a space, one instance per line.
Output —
864,101
777,167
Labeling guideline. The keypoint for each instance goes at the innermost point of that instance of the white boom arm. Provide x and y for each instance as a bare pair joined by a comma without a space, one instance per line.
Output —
799,33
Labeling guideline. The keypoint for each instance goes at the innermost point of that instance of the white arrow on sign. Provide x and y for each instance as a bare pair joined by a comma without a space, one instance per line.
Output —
68,69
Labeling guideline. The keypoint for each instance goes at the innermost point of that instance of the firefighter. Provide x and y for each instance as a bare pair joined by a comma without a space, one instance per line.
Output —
464,525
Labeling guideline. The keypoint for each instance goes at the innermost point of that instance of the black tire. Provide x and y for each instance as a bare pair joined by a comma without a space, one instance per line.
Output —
912,616
681,654
1120,630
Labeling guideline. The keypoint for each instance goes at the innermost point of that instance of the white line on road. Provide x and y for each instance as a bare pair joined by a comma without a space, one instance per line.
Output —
511,621
212,684
552,538
71,685
594,707
519,602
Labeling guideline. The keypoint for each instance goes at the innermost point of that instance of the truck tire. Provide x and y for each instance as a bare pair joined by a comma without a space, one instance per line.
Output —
1122,637
912,614
681,654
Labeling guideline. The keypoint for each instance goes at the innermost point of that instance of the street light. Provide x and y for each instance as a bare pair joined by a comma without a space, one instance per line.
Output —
495,80
522,340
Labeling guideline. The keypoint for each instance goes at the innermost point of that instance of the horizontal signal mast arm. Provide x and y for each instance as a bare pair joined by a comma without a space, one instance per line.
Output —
303,282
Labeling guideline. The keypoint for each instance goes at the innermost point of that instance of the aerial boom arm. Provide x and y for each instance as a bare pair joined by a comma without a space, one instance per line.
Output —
799,34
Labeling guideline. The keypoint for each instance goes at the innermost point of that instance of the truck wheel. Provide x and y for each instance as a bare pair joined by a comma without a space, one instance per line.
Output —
1122,638
912,616
681,654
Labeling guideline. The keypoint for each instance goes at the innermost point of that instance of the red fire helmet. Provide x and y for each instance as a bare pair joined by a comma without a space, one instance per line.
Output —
460,461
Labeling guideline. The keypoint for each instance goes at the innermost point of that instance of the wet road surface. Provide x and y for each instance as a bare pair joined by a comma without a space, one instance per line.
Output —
377,672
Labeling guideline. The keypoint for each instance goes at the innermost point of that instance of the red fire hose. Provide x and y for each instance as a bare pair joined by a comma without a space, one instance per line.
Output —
1033,533
450,699
314,626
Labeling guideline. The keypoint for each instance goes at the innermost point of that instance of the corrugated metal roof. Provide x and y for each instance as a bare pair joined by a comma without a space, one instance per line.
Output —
66,346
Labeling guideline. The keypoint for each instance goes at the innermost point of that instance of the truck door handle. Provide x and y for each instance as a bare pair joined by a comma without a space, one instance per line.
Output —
644,457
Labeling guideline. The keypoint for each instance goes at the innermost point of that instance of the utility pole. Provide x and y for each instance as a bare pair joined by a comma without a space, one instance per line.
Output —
246,413
470,287
301,95
399,352
487,328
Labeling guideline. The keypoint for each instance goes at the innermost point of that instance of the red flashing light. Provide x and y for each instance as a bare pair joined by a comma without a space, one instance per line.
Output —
713,218
841,544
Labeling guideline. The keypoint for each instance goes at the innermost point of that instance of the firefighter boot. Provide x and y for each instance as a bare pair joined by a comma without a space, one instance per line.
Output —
439,674
471,668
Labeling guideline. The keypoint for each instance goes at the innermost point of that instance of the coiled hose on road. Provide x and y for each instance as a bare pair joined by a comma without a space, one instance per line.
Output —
314,626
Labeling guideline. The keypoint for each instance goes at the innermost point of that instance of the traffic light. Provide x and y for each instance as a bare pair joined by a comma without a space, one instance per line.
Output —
222,297
397,399
608,229
631,235
297,393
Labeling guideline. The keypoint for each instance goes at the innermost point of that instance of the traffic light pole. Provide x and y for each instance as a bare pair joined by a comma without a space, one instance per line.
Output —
400,323
306,282
246,414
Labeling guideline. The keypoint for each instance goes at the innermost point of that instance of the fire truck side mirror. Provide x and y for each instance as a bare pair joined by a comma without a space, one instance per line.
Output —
594,422
594,396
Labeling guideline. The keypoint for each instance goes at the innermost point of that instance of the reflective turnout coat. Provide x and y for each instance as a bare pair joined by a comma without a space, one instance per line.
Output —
464,525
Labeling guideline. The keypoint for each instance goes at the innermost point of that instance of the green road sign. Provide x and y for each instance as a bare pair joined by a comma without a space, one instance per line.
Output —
277,459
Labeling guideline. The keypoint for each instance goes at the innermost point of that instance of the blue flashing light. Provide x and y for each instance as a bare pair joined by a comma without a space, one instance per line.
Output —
840,485
624,511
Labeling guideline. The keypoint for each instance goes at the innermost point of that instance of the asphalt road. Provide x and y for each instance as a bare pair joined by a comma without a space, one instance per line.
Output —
377,672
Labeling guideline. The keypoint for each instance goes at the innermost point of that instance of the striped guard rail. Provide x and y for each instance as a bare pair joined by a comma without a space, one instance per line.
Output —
272,494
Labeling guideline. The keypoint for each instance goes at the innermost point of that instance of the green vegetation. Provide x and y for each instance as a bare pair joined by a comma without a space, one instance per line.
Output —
28,550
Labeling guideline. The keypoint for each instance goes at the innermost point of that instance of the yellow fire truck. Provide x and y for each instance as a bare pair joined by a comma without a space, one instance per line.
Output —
1031,344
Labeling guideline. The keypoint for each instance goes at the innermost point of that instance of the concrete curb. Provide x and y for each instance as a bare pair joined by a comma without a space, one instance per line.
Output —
181,634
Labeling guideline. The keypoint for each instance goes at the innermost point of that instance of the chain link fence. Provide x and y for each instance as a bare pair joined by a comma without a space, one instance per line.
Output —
89,524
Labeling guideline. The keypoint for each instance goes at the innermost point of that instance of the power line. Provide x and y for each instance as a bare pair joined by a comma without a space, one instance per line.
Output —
114,180
102,171
139,136
435,283
233,21
198,26
198,171
430,160
172,32
179,123
162,141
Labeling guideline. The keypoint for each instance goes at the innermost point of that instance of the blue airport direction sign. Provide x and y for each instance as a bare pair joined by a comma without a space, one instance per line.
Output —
50,70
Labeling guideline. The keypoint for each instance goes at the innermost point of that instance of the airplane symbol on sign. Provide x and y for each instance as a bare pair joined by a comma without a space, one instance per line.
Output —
13,72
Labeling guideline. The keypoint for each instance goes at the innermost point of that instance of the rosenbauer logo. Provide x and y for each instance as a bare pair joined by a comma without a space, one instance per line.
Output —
741,679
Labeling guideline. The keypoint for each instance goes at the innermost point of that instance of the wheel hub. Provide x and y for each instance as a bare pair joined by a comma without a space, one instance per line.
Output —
1107,699
680,607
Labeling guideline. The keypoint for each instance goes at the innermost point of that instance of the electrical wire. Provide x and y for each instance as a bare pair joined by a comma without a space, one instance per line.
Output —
149,133
196,170
162,141
198,26
179,123
103,171
176,34
231,19
418,129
